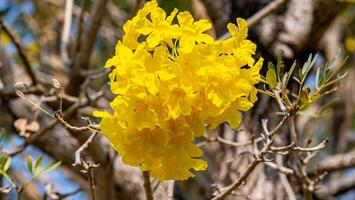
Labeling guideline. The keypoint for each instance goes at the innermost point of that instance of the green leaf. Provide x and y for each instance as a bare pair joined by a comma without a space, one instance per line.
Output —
271,66
29,164
296,79
307,67
271,78
7,164
50,168
290,72
317,78
2,161
39,162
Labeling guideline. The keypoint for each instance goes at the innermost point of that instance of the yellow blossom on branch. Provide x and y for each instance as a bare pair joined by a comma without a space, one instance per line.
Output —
171,80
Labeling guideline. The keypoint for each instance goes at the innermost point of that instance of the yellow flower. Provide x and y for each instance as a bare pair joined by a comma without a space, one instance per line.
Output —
171,81
158,28
192,32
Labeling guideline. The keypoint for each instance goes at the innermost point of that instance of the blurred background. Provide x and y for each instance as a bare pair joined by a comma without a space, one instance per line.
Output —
70,41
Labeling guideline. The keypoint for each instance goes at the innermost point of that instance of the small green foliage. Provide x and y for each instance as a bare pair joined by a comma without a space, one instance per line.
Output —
271,76
37,169
326,80
5,163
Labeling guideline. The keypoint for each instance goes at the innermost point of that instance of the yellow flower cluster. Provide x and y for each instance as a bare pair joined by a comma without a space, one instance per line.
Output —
171,80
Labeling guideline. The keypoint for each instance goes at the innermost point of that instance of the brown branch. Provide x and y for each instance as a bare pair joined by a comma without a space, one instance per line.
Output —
337,186
335,163
291,147
147,186
89,127
79,26
257,17
259,157
50,126
279,168
239,182
227,142
21,53
86,47
82,148
11,93
74,192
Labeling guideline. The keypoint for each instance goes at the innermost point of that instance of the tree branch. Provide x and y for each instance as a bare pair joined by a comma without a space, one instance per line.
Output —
257,17
86,47
259,157
334,163
21,53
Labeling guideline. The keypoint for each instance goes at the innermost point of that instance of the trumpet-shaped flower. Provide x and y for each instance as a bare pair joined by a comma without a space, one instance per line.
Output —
171,81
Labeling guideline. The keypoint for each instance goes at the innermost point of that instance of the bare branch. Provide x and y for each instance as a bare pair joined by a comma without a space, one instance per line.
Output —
79,26
335,163
86,47
259,157
337,186
257,17
89,127
292,147
82,148
21,53
279,168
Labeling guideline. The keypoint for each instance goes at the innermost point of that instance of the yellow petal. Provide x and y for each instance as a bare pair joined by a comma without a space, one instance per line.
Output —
154,39
185,19
158,15
202,25
233,118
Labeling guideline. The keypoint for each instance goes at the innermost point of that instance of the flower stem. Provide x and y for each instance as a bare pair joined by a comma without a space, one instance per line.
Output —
147,186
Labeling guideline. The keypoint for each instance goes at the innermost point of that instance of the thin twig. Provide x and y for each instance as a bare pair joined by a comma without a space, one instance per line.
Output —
292,147
239,182
63,196
89,127
279,168
257,17
147,186
21,53
82,148
234,144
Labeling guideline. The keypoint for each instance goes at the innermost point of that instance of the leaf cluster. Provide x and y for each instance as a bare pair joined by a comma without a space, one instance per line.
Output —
326,79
